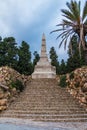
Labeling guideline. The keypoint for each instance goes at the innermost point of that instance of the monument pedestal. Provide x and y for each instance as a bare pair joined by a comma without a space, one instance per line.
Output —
44,72
44,69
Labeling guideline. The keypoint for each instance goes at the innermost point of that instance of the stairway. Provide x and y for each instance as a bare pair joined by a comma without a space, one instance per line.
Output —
44,100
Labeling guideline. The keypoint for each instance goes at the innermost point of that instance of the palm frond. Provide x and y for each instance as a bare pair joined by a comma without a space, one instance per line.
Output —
66,22
61,34
74,9
64,40
67,14
69,6
60,24
64,33
65,44
68,33
62,29
84,11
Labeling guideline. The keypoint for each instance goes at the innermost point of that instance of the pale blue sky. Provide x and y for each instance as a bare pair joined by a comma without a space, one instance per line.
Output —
28,19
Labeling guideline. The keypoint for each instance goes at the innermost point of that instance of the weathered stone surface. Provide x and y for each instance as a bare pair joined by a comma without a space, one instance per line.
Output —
84,88
3,102
3,108
7,93
1,95
44,69
77,86
43,100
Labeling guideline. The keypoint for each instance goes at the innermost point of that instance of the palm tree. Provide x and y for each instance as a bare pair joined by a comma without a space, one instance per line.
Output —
75,23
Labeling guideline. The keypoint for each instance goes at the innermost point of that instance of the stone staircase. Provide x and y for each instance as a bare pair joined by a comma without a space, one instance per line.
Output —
44,100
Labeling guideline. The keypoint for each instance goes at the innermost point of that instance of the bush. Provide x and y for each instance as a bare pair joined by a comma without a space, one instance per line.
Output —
71,76
18,85
63,81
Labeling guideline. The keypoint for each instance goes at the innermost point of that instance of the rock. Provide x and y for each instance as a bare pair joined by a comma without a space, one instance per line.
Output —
3,86
84,88
3,102
3,108
83,100
85,97
85,93
12,99
7,94
73,92
77,86
14,91
1,95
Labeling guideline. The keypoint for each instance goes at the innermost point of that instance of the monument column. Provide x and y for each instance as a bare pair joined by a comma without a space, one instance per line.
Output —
44,69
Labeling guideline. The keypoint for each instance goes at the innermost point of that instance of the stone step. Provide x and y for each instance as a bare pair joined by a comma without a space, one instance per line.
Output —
46,103
50,120
46,116
46,99
51,99
45,112
43,100
49,96
47,108
50,93
46,89
61,99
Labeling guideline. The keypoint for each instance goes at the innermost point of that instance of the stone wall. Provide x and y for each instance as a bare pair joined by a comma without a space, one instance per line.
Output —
77,85
7,93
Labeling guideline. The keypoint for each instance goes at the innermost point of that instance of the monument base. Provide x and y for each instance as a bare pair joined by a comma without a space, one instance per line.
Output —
44,71
41,75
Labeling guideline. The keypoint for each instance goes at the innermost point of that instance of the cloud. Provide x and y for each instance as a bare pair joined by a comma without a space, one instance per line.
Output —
28,19
14,13
17,14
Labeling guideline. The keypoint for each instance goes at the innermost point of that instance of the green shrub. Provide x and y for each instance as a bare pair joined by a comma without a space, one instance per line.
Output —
71,76
63,81
18,85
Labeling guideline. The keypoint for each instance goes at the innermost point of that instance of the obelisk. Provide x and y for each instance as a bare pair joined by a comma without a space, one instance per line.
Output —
44,69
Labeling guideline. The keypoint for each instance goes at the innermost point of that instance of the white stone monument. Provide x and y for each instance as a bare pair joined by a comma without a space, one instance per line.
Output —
44,69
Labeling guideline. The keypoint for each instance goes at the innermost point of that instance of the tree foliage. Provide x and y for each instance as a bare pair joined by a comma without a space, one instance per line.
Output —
24,56
8,52
36,58
74,23
17,57
54,59
74,61
63,67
